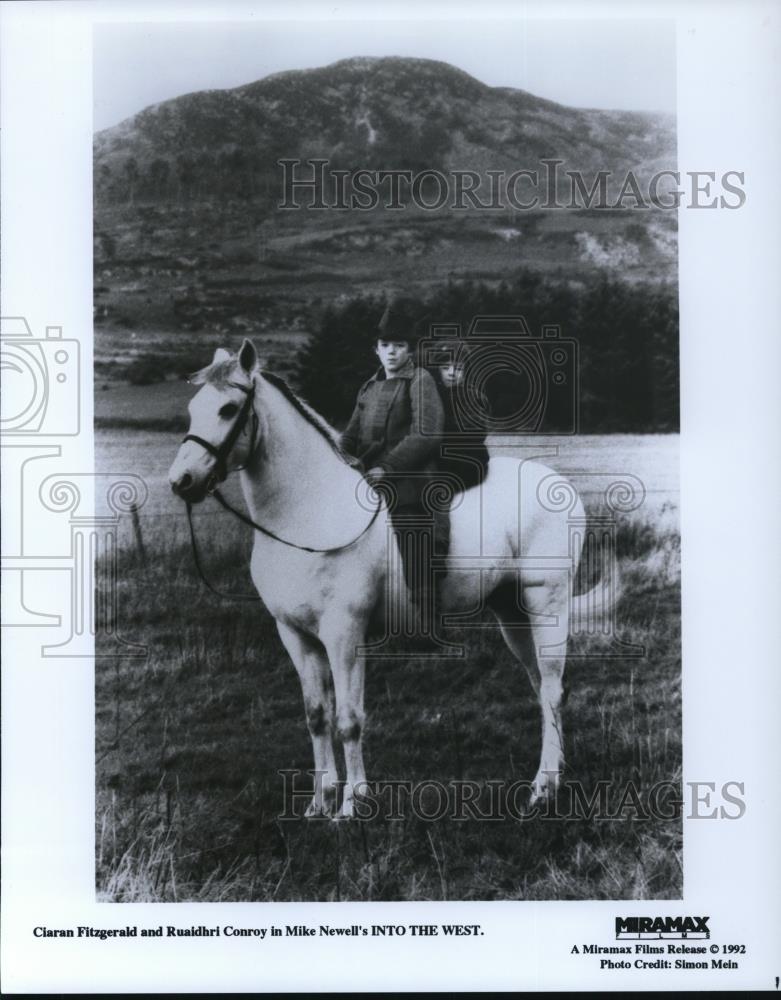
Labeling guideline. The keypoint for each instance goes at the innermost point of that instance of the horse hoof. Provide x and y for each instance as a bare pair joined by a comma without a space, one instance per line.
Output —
317,811
544,788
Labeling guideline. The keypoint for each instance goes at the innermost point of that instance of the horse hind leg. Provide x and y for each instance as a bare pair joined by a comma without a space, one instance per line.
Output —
514,624
311,663
540,645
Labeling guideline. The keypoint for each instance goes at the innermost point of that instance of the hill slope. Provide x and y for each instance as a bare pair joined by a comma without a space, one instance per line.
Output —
189,235
385,112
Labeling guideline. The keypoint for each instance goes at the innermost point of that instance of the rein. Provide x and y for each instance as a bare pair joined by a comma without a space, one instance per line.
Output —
221,454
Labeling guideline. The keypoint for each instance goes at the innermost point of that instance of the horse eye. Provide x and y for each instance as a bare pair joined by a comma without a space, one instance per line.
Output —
229,410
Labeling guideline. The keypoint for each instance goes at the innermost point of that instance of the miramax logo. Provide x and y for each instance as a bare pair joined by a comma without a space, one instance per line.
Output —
662,927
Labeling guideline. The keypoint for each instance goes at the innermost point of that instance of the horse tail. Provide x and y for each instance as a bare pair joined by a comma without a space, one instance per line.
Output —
590,611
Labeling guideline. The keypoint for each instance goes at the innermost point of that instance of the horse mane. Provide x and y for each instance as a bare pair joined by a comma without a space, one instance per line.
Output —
311,416
220,373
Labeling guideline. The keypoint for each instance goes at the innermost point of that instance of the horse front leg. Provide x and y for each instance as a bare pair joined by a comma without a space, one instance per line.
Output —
311,663
348,672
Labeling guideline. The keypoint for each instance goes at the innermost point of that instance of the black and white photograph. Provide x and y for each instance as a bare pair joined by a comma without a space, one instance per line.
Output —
401,342
389,458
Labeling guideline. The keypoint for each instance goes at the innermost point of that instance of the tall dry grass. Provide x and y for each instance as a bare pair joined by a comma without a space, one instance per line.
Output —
190,742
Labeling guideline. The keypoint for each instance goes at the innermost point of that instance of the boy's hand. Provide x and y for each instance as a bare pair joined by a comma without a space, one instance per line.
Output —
375,474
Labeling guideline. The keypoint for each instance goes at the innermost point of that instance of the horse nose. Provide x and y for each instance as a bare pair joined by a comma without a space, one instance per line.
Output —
182,484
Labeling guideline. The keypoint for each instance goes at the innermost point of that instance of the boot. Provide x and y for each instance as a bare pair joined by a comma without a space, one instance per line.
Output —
425,605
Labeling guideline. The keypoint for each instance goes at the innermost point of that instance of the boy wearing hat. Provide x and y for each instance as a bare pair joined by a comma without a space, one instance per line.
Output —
395,433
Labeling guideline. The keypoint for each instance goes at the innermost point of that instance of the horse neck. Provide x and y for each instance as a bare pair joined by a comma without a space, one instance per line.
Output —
298,486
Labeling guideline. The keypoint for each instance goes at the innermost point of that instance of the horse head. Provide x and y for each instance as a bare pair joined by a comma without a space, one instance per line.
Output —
223,433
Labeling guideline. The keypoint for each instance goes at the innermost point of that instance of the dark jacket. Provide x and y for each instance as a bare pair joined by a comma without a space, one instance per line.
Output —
397,425
464,453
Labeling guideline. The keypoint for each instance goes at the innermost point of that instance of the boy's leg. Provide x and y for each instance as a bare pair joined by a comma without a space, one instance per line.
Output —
414,529
441,533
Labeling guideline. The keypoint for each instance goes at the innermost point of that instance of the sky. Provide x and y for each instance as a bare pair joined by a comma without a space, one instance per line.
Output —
619,64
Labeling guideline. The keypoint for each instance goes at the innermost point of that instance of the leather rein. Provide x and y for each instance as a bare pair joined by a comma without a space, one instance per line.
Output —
221,453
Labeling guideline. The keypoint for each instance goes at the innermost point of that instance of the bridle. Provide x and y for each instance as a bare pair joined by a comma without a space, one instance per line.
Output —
222,453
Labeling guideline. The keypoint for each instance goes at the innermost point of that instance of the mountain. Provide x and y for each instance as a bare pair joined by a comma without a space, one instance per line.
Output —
386,113
189,235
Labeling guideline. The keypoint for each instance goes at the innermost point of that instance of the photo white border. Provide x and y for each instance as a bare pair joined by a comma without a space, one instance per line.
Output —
728,113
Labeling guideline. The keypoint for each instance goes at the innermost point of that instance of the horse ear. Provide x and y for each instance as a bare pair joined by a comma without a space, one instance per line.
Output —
248,357
199,377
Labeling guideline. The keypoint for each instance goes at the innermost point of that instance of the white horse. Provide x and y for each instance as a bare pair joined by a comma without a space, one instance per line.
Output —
304,495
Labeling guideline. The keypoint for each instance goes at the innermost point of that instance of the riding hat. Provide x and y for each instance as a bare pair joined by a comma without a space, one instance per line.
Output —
402,320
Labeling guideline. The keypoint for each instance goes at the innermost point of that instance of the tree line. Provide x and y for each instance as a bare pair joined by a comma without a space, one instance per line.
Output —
626,340
209,175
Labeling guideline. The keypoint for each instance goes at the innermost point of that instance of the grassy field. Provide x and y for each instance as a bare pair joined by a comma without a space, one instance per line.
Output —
190,740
